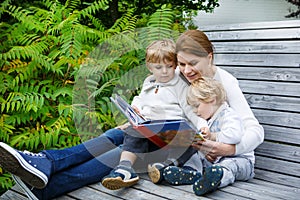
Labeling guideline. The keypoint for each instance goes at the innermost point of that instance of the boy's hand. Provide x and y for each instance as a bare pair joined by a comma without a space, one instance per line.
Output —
123,126
138,112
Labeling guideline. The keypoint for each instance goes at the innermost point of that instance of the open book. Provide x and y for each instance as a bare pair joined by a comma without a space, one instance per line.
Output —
161,132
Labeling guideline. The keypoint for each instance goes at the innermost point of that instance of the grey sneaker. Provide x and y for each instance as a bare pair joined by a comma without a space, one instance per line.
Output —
33,168
25,188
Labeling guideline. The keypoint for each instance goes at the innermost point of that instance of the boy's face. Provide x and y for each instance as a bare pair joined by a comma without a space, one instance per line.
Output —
206,110
163,72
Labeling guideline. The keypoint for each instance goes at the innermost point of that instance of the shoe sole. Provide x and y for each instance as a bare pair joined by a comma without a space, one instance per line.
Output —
24,187
118,183
154,174
14,163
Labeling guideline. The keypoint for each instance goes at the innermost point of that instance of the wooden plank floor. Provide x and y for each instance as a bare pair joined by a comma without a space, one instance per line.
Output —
145,189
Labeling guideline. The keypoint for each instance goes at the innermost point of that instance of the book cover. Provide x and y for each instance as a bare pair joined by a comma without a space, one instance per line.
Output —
161,132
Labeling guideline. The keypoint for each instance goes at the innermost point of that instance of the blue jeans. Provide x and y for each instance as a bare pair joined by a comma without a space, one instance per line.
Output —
81,165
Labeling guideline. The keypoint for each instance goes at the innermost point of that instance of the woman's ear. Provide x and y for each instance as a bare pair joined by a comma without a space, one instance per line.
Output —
210,57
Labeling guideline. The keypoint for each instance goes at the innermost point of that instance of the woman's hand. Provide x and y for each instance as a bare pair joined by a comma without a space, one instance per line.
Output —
212,149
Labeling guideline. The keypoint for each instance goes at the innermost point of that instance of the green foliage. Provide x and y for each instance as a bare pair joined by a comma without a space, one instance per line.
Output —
40,53
294,13
145,8
5,181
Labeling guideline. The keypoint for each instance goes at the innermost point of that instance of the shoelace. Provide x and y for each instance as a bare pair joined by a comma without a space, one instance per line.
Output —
33,154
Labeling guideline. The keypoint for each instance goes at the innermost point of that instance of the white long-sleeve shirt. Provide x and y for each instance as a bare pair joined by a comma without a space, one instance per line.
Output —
166,101
253,131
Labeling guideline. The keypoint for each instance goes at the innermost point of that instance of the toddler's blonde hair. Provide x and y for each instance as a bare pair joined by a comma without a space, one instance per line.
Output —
206,90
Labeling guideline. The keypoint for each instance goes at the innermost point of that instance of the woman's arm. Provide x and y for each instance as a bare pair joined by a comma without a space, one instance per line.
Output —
253,131
214,149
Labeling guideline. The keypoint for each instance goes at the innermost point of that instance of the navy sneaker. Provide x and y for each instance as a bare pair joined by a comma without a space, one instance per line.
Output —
155,172
181,176
120,177
209,182
33,168
25,188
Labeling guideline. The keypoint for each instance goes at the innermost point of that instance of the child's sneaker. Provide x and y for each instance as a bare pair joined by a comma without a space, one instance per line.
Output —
181,176
33,168
209,182
155,172
120,177
25,188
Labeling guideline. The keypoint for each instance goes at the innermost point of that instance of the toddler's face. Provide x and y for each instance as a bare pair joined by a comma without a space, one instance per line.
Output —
206,110
163,72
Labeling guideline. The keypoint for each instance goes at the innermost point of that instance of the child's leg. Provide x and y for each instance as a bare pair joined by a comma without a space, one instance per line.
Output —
235,168
180,155
124,175
177,156
189,173
127,158
223,173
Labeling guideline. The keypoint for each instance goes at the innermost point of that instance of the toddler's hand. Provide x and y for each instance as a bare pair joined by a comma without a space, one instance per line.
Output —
205,132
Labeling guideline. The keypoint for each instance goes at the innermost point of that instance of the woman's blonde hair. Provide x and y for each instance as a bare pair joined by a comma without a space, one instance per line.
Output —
161,51
206,90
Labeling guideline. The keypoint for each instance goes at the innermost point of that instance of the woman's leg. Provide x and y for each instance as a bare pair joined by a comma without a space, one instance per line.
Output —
90,149
36,169
79,176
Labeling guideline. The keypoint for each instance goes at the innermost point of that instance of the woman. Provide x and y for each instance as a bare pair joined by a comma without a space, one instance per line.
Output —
195,59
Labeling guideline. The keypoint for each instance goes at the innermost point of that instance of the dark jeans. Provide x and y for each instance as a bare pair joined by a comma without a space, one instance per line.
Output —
136,143
82,165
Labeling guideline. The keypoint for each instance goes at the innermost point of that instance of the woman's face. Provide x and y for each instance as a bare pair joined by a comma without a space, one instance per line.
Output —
193,67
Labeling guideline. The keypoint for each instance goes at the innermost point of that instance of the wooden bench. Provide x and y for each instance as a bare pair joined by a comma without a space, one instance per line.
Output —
265,57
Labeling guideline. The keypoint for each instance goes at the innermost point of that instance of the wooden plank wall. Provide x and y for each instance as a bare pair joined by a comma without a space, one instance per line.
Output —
265,57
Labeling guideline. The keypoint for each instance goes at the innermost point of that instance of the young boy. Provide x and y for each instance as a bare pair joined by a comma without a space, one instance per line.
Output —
163,96
209,99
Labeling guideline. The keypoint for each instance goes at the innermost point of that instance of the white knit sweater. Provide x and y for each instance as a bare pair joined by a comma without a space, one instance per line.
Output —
254,132
166,101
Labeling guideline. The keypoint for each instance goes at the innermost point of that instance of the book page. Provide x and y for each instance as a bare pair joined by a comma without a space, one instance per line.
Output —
127,110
